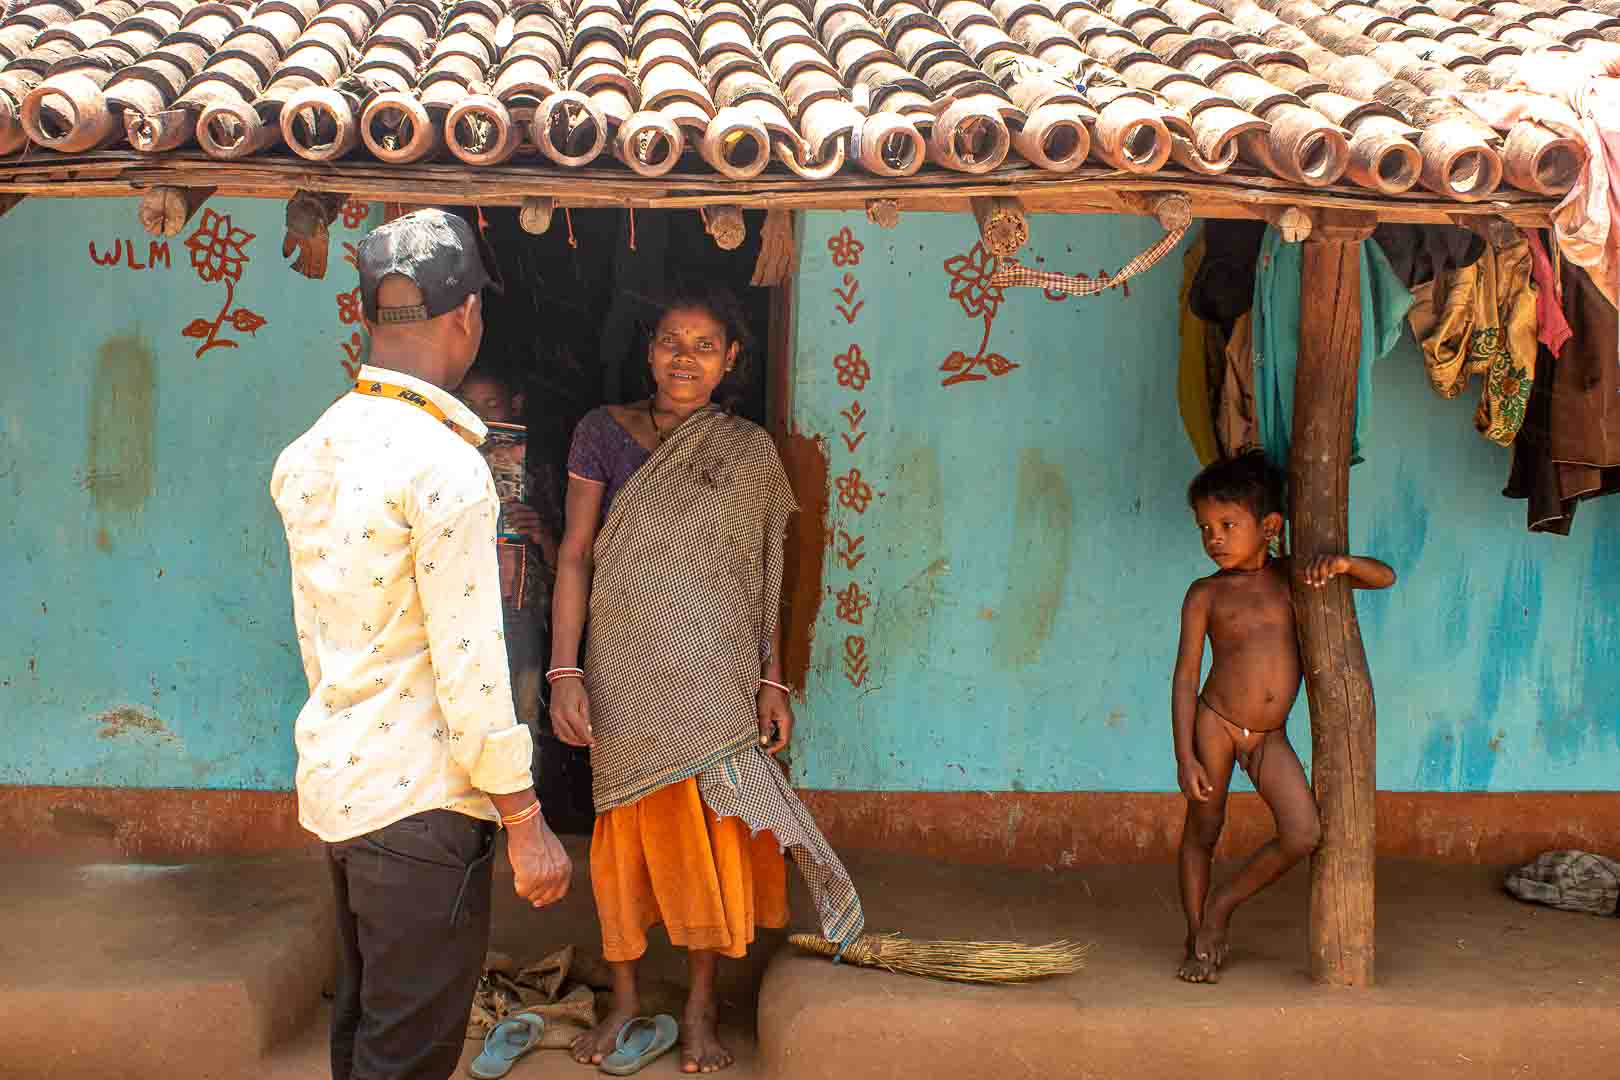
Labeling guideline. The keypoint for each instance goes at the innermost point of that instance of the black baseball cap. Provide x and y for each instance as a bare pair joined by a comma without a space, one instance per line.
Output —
438,251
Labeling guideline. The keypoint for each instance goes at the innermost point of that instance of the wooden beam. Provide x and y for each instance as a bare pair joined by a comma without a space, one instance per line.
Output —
309,219
9,202
1337,683
884,213
726,225
165,210
535,214
1087,190
1003,227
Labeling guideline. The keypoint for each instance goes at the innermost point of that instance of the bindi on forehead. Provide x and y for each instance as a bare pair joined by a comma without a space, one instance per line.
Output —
691,323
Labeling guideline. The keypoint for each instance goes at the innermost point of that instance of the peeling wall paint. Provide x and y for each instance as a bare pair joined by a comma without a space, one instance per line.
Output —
1027,544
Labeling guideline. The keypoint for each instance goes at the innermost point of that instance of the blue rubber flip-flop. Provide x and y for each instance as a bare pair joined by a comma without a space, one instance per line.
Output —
506,1042
641,1042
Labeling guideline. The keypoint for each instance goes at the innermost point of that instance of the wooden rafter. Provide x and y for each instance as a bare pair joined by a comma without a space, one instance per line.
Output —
1088,190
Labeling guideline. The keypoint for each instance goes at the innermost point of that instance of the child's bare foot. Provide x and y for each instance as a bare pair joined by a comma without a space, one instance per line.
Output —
1198,969
701,1048
1206,954
597,1043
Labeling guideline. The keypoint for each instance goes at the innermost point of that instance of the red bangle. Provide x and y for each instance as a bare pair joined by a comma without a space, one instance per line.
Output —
528,812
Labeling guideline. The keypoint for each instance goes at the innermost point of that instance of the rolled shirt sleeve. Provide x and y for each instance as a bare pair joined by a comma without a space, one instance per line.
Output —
453,545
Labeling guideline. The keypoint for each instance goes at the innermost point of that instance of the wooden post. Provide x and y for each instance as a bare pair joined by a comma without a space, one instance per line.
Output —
1337,683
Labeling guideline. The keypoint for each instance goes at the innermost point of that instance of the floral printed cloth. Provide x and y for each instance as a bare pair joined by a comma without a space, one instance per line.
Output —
1481,320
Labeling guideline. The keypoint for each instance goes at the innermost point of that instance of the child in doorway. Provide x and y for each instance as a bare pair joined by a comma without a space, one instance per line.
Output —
495,401
1246,610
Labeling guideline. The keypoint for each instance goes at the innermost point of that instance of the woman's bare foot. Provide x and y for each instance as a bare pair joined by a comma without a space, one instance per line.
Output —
597,1043
701,1048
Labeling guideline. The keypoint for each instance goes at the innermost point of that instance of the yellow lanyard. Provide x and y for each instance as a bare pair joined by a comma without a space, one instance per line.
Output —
411,397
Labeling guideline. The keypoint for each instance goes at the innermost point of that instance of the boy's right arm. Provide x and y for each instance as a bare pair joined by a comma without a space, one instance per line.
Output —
1190,773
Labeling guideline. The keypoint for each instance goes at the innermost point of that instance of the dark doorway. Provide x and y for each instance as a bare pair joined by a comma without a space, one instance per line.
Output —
570,331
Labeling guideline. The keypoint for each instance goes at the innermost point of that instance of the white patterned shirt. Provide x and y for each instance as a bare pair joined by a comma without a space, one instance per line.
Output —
390,518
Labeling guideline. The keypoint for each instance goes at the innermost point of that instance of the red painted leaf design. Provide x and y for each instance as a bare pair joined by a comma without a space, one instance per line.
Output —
198,328
998,364
246,321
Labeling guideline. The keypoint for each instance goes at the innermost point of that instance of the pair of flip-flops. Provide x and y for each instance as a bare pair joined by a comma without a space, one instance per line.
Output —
640,1042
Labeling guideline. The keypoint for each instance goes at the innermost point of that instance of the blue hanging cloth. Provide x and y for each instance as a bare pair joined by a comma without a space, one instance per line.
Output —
1384,304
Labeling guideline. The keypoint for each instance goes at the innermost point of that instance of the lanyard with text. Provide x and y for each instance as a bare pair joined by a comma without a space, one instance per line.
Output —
411,397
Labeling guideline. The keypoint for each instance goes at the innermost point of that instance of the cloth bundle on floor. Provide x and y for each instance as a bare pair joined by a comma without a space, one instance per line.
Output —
1569,881
505,989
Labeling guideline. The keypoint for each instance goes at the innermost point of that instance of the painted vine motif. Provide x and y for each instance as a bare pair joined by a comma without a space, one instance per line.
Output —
970,286
348,304
219,253
970,278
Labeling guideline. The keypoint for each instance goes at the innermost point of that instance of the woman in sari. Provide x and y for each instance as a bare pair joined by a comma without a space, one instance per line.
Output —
676,516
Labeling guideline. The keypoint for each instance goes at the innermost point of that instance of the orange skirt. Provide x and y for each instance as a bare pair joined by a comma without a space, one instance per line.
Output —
667,859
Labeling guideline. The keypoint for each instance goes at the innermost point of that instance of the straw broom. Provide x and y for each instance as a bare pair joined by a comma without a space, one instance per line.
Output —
960,961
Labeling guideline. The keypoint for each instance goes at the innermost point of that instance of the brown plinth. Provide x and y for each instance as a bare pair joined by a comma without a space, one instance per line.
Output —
1031,829
1472,985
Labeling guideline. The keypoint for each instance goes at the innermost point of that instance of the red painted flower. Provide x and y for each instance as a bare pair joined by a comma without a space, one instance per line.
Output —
852,604
970,282
217,248
845,249
853,370
349,309
355,213
854,492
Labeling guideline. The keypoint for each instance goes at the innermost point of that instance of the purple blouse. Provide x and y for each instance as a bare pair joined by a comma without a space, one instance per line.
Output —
605,452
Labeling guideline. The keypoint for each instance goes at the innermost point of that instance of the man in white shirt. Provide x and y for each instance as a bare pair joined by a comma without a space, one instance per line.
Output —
409,752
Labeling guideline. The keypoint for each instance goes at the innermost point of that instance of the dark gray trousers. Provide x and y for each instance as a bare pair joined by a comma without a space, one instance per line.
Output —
413,903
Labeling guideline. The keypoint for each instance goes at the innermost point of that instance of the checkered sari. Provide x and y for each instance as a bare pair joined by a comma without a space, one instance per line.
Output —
685,597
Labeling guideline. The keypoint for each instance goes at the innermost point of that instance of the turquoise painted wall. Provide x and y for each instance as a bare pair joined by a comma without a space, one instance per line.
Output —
147,638
1021,543
1025,544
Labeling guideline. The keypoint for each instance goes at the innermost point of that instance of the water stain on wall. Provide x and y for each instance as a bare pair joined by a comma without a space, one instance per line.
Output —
123,408
906,605
1038,570
126,720
1594,681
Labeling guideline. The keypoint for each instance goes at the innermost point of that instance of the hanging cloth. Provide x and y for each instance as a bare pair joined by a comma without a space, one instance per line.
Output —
1481,320
1552,328
1569,447
1193,394
1276,316
1235,427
